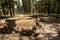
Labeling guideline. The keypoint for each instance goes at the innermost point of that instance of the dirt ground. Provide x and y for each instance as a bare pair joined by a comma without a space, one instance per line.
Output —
47,31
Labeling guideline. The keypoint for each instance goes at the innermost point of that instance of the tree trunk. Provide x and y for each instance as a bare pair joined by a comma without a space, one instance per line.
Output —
48,7
58,9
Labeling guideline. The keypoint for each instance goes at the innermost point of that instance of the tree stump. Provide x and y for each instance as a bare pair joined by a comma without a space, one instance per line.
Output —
11,23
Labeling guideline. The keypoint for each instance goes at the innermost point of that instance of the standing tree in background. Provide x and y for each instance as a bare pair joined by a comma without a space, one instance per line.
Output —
8,5
41,6
26,6
48,7
53,6
58,11
4,5
18,6
17,3
11,6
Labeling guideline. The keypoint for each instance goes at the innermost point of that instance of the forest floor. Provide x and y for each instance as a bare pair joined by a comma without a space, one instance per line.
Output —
48,30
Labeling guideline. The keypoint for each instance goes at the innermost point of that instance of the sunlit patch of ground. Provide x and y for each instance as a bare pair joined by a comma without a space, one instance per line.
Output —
25,23
2,22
